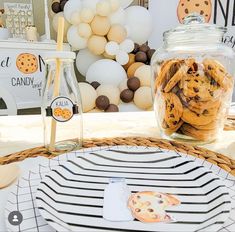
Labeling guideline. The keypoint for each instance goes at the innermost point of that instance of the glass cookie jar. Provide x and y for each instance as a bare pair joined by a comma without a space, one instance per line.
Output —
193,79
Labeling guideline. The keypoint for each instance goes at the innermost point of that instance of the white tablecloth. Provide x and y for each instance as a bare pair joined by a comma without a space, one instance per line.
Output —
21,132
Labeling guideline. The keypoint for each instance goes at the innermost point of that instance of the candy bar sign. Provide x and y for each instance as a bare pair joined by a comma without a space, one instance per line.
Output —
21,76
167,16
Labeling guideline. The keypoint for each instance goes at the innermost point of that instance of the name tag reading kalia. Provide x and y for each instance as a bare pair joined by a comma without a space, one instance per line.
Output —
116,196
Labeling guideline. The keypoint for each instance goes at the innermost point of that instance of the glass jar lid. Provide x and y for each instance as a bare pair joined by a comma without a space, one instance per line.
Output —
194,29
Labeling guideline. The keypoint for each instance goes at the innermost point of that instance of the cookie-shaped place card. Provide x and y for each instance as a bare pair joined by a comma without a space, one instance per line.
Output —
149,207
186,7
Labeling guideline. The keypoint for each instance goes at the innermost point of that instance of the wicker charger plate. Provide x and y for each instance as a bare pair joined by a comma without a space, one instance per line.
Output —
218,159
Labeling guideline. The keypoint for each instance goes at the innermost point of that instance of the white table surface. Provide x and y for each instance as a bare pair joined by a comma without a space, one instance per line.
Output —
21,132
18,133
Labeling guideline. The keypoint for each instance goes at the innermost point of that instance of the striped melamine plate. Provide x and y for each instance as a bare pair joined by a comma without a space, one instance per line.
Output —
71,195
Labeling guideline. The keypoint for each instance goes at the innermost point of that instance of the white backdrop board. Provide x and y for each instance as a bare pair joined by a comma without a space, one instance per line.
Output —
22,70
165,17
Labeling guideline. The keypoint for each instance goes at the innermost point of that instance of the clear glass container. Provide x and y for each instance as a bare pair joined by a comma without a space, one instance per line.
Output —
192,81
61,104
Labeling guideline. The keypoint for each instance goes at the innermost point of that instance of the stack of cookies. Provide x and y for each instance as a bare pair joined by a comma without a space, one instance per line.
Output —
192,97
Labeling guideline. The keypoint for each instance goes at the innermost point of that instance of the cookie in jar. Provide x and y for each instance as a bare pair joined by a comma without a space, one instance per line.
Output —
193,79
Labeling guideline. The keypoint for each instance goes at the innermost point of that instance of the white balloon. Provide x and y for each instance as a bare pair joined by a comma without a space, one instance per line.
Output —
90,4
85,59
122,57
125,3
118,17
127,45
139,23
106,71
70,7
75,40
112,48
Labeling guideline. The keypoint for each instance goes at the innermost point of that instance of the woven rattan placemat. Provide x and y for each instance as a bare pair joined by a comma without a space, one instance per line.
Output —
220,160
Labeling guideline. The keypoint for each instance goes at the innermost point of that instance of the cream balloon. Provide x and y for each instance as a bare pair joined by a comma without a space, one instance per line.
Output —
115,5
90,4
75,18
110,91
100,25
103,8
144,75
125,3
106,71
86,15
117,33
75,40
143,98
88,96
85,59
139,24
70,7
96,44
84,30
118,17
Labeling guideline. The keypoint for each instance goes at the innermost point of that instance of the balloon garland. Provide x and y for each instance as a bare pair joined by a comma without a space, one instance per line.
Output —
107,34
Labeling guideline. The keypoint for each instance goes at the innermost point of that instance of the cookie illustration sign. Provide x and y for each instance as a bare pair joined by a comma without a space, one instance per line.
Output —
22,75
168,16
22,71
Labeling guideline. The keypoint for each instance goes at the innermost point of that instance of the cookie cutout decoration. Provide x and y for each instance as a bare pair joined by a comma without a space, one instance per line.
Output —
149,207
27,63
202,7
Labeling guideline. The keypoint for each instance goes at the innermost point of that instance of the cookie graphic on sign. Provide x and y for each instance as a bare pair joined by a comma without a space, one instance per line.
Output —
202,7
66,114
27,63
58,112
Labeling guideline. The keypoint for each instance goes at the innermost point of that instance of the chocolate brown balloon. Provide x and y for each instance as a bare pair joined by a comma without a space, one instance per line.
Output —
95,84
102,102
144,48
62,4
150,53
141,57
56,7
133,83
136,49
112,108
127,95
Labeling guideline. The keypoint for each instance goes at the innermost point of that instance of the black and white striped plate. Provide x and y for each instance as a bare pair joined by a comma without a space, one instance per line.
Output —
71,195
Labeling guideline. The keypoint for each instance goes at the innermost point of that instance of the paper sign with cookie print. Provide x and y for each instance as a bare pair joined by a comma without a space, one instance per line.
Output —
27,63
202,7
62,109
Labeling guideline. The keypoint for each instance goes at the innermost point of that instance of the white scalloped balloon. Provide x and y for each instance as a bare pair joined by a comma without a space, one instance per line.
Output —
76,41
70,7
139,24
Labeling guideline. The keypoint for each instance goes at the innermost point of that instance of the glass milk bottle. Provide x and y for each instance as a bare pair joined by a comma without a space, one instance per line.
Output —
61,104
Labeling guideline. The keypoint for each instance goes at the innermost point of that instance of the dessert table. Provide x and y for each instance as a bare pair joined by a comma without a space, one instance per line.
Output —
18,133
